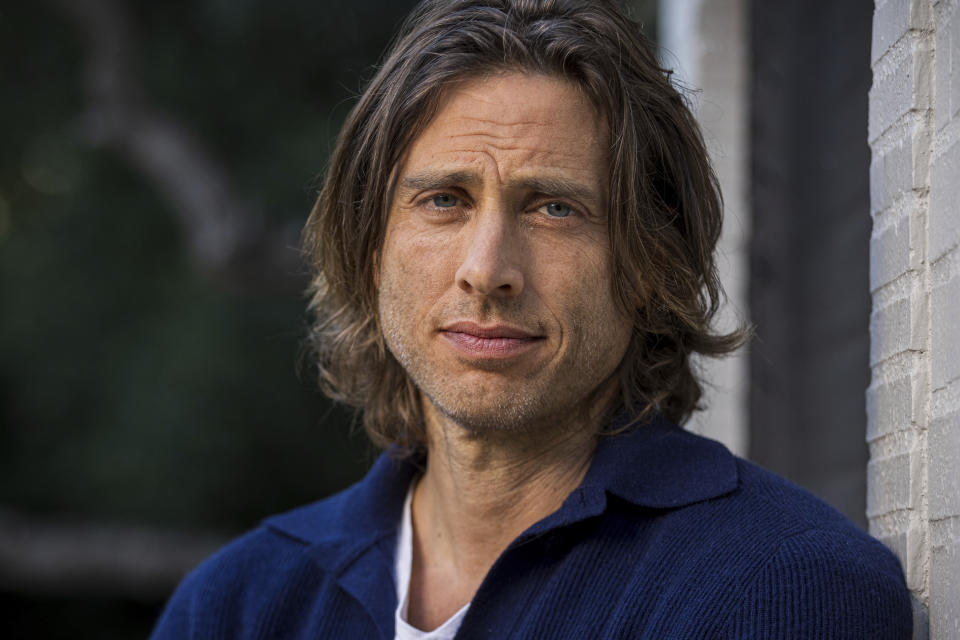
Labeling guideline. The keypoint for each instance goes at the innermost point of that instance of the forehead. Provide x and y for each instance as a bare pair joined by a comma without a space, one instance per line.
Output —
514,123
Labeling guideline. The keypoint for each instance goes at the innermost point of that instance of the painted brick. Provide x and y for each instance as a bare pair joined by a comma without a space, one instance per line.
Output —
891,167
895,542
945,401
953,29
891,486
892,94
909,547
893,406
944,531
891,20
943,64
944,462
897,327
945,331
913,403
890,253
898,163
889,330
921,618
944,587
948,61
915,560
945,194
902,82
924,61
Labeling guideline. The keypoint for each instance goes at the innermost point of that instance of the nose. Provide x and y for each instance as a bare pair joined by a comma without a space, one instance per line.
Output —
491,264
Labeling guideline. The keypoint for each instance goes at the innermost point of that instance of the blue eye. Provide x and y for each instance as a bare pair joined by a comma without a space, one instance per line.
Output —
444,201
558,210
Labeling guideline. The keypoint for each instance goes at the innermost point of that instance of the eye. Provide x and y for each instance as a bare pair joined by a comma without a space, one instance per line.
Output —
444,201
558,210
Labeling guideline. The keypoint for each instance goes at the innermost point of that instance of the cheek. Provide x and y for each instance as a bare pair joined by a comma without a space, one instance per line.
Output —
413,274
600,327
578,276
601,317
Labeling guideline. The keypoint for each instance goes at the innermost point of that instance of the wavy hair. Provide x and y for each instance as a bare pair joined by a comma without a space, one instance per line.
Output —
665,207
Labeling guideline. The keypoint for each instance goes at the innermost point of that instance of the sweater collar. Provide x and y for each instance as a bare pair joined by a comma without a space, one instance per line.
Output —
353,534
655,465
361,515
659,465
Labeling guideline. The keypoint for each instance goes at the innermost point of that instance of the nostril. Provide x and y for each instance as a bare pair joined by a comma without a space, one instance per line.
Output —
491,264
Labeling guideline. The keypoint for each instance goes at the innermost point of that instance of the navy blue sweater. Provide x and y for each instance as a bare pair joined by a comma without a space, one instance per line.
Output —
668,536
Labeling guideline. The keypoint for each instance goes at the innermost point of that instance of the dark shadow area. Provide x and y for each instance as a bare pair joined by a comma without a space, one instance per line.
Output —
810,295
62,618
158,162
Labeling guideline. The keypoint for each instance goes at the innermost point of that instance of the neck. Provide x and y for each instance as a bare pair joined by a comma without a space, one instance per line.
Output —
479,492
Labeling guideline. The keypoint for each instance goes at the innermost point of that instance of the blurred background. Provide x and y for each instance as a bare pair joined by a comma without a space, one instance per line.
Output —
157,162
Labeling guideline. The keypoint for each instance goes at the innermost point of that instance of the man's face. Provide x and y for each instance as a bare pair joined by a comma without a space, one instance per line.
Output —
494,281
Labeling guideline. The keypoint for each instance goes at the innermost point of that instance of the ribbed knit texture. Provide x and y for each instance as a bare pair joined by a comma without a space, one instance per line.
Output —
669,536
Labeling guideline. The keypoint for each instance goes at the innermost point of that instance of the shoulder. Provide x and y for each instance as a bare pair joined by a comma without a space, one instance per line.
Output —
728,549
285,569
766,559
233,586
279,565
806,570
781,507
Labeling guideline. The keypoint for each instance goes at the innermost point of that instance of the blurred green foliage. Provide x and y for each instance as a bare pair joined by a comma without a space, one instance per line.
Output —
135,386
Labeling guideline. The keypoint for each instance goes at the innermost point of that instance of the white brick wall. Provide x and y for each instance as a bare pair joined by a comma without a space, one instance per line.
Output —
913,403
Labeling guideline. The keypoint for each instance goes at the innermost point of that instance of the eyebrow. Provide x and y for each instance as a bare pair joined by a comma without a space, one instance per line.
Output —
547,185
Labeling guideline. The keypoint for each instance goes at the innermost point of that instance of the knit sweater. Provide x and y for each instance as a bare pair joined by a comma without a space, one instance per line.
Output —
668,536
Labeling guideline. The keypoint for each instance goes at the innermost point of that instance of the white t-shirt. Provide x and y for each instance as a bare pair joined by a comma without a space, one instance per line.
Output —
402,568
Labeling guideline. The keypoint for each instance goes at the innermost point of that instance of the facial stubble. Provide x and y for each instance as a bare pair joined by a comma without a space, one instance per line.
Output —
558,395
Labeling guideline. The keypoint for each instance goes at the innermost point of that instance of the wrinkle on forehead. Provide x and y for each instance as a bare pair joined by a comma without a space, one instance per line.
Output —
473,127
477,89
476,86
501,123
521,140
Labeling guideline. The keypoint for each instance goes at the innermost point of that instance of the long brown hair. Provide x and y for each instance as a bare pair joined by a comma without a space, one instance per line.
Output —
665,207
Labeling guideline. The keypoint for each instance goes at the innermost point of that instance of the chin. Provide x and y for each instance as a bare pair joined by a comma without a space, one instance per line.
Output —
503,415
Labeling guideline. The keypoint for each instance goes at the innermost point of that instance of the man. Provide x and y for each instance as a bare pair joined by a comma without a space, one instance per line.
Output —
513,258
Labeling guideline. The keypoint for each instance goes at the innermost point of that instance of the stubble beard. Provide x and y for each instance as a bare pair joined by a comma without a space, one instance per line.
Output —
477,410
516,404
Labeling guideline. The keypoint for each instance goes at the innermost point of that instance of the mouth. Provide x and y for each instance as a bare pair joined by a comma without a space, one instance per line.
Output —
491,342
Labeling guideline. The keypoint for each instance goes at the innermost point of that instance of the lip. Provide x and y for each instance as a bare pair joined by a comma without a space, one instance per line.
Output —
492,342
